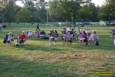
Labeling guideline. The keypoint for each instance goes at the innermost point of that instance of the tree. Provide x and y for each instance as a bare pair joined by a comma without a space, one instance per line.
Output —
66,9
3,4
24,15
9,11
89,12
107,12
37,9
42,7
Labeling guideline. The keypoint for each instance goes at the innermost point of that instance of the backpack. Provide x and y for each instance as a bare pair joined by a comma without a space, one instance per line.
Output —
5,39
97,43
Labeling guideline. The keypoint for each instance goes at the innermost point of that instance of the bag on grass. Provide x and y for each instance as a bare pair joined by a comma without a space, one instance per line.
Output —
97,43
4,41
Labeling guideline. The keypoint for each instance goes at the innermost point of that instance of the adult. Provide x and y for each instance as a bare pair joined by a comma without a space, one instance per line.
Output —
37,28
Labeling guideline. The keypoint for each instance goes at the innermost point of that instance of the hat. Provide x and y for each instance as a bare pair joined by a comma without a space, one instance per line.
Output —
68,29
23,31
10,33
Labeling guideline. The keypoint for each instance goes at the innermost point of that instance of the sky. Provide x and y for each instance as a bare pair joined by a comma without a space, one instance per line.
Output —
97,2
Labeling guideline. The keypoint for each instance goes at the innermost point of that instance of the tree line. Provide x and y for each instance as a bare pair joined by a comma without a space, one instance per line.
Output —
55,10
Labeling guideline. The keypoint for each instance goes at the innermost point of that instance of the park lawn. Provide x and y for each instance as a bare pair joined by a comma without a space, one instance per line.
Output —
38,59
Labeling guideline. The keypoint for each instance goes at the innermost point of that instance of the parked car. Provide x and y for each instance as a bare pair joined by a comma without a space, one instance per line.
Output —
112,22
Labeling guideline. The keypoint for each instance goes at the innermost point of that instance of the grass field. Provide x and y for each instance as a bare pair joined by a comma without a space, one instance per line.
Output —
38,59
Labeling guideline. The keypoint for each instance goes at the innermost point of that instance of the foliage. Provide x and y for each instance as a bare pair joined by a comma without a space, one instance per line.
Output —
55,10
107,12
69,9
89,12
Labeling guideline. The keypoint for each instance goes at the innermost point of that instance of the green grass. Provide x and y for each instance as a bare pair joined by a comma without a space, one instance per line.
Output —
38,59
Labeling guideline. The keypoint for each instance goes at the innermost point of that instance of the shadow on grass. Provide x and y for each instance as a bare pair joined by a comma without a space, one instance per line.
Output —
13,67
105,45
43,48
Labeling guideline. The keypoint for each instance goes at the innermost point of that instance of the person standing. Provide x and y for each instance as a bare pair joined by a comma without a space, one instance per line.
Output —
37,28
51,38
85,37
94,38
113,36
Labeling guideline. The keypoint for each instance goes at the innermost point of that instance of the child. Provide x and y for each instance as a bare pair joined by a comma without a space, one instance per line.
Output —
94,38
5,38
113,35
56,35
85,35
42,34
18,43
69,36
52,38
81,38
29,34
9,38
63,34
22,38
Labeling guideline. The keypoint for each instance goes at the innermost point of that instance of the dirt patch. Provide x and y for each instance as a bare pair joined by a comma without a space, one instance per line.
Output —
68,56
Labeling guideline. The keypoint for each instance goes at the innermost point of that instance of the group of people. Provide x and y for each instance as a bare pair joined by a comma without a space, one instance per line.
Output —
40,34
9,38
67,35
89,38
84,37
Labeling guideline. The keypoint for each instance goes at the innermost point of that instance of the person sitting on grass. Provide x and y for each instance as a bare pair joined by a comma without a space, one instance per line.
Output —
36,34
6,38
29,34
94,38
9,38
42,34
22,38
